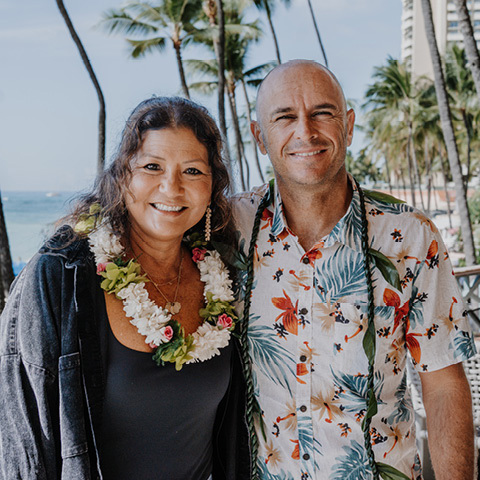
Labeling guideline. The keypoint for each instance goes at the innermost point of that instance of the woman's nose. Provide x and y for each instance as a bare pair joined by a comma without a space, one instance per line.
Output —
171,184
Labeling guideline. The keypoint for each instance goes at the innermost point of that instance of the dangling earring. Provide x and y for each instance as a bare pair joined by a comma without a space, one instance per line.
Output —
208,231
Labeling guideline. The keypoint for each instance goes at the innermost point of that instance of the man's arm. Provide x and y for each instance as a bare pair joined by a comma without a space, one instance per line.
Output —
448,405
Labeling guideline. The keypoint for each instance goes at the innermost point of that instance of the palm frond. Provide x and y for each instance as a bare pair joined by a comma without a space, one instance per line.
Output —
142,47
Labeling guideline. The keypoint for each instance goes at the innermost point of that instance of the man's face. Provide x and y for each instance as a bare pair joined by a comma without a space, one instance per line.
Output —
303,126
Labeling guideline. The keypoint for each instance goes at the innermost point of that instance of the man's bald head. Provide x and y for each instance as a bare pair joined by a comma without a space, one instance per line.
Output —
294,69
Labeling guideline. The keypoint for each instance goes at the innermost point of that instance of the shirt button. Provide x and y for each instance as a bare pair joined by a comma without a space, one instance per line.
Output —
306,260
303,311
303,358
306,456
303,408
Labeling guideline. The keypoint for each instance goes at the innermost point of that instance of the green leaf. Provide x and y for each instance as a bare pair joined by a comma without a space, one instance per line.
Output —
381,197
372,408
386,268
387,472
369,343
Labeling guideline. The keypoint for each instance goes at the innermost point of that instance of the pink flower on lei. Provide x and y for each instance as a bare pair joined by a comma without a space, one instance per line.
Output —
198,254
224,321
168,332
101,267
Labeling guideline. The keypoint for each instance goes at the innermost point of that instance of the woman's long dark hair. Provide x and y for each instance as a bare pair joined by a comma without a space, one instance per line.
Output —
154,114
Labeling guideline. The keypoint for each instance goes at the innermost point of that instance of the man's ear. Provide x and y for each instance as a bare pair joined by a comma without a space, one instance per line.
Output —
257,134
350,126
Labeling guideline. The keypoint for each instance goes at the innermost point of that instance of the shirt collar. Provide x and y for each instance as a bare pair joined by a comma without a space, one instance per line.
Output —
347,231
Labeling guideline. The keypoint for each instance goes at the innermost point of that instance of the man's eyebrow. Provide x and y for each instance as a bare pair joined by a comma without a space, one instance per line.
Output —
320,106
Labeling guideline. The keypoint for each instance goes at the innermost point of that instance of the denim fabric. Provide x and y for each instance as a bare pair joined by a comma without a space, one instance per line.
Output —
52,374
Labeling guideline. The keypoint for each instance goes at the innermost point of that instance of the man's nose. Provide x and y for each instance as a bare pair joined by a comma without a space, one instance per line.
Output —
305,128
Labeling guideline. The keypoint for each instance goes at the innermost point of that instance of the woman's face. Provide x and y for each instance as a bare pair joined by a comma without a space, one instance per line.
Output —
171,185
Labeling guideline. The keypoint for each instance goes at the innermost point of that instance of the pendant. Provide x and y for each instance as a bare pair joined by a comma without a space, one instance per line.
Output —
174,307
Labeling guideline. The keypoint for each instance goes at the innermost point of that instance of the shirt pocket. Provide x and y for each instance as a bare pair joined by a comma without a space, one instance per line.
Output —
72,408
351,322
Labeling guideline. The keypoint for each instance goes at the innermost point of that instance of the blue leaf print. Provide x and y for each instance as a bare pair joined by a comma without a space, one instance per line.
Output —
352,223
353,465
271,358
306,441
403,405
343,275
395,208
464,346
354,390
264,474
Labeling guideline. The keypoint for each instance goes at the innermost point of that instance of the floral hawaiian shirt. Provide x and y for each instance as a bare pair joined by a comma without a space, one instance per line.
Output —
307,320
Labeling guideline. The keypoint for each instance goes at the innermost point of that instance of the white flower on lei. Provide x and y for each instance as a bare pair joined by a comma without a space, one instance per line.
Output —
105,245
215,275
151,320
208,341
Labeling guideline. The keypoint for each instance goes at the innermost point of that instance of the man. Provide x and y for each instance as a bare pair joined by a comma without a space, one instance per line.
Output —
308,318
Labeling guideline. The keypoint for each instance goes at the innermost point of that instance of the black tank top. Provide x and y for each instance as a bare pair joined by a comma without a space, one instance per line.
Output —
157,422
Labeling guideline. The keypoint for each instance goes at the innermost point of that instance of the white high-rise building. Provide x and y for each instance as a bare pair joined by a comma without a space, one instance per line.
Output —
415,51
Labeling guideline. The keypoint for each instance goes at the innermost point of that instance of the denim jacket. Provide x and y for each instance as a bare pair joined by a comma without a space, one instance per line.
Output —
52,374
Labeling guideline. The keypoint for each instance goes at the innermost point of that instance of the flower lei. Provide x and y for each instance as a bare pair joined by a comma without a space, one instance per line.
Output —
163,333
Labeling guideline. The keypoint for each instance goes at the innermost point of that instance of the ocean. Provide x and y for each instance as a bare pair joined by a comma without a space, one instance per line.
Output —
30,219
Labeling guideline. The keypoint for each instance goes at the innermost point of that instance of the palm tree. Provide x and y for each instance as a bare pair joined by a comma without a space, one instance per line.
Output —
6,270
460,87
449,135
238,39
93,77
469,41
214,11
155,24
393,97
269,6
317,32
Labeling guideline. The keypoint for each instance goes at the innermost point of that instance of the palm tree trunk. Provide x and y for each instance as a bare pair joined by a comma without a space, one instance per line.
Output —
238,137
317,32
449,136
469,41
416,171
389,180
410,172
469,148
219,47
178,54
101,100
6,269
404,185
254,143
428,175
445,186
275,41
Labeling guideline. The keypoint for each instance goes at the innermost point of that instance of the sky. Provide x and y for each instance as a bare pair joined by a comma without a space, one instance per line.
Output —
49,108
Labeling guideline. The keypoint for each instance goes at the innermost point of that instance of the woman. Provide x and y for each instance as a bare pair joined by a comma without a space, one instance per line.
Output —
136,279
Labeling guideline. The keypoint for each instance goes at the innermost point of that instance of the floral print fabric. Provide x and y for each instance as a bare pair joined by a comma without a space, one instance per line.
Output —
307,320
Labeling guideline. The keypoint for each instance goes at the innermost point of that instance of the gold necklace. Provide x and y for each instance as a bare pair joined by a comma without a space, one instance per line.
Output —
172,307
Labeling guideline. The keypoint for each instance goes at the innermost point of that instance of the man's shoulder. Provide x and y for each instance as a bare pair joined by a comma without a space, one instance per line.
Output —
244,205
251,197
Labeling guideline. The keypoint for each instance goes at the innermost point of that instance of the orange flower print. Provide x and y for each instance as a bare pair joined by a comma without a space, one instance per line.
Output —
313,254
412,343
432,255
289,314
391,299
296,450
267,217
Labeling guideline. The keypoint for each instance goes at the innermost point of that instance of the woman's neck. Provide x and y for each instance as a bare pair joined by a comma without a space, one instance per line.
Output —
159,258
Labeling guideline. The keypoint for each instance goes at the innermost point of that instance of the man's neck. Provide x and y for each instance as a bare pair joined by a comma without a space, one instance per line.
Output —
312,213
